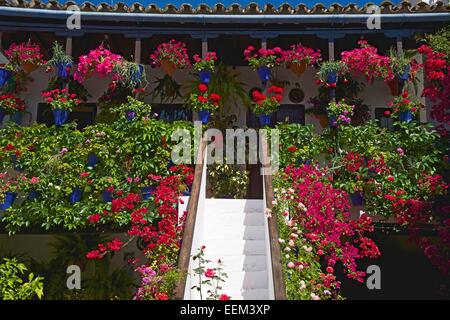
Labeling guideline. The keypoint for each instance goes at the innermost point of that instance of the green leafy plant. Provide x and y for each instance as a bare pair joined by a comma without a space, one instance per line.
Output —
59,56
141,108
329,67
130,74
228,181
16,283
167,89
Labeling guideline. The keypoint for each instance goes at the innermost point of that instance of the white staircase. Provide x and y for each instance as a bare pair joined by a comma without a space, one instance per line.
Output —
235,231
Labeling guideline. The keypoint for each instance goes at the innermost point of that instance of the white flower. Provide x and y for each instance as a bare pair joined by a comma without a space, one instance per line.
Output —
314,296
301,206
57,187
300,267
290,190
307,249
281,240
50,184
291,243
326,292
287,249
294,235
302,285
274,202
268,213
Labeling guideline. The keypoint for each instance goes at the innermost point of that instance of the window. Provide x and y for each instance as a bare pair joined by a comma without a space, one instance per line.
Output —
172,112
287,113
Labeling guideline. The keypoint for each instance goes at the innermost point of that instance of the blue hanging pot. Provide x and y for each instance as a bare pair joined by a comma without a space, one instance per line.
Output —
147,192
357,198
75,196
332,77
32,195
264,74
264,119
404,76
63,69
93,160
5,75
107,196
406,116
204,115
130,114
2,114
137,75
205,76
60,116
16,117
306,161
332,122
9,200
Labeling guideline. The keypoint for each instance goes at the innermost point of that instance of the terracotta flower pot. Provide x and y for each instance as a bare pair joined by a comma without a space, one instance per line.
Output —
323,119
393,86
29,67
297,69
168,67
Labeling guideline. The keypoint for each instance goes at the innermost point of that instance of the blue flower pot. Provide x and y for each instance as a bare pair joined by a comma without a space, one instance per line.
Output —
9,200
130,114
306,161
32,195
14,162
332,121
75,196
204,115
264,119
332,77
92,160
357,198
16,117
62,69
147,192
136,76
5,75
406,116
60,116
264,74
107,196
205,76
404,76
2,114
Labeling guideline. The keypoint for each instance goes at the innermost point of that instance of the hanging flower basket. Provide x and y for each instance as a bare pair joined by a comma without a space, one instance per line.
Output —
404,76
92,160
264,74
298,69
64,69
28,67
168,67
9,200
204,115
264,119
205,76
60,116
5,75
332,77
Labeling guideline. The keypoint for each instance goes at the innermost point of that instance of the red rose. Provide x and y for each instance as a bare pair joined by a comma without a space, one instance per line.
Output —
202,87
94,218
224,297
292,148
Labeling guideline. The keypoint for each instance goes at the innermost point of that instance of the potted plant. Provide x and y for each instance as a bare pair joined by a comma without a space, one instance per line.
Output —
148,185
6,72
133,109
404,108
12,106
171,56
366,61
60,61
204,102
299,57
9,190
62,103
330,71
106,186
26,55
263,60
204,67
264,105
130,74
339,113
100,61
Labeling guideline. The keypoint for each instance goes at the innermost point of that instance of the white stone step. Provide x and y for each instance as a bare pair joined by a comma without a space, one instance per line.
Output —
235,247
239,232
242,263
238,205
245,280
233,219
